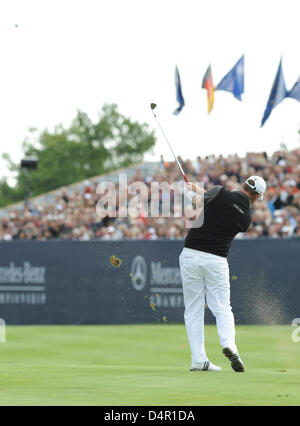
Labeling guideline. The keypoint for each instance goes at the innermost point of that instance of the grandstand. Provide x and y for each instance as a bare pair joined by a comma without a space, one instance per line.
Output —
69,212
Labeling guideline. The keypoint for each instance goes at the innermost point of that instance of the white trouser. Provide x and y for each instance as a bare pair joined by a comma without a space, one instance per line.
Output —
206,275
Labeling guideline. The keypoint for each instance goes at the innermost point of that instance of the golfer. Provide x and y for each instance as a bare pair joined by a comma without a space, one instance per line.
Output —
204,267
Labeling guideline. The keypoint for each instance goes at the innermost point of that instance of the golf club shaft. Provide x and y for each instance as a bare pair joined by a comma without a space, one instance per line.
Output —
176,159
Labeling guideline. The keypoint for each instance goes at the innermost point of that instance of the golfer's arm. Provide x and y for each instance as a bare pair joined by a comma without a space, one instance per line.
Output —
196,188
197,199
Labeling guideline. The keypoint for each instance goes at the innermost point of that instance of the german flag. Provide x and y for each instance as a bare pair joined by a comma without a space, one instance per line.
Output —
207,83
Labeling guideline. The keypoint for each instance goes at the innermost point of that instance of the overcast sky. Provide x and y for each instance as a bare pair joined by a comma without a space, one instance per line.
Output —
58,56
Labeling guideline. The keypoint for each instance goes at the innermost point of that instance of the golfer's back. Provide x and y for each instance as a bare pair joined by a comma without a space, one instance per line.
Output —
226,213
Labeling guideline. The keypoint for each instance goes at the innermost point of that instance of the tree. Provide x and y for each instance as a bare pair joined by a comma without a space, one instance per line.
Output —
83,150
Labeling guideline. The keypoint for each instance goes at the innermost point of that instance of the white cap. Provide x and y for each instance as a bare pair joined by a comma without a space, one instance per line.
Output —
259,185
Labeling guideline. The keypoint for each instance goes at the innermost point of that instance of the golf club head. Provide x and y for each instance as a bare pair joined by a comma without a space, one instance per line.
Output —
153,106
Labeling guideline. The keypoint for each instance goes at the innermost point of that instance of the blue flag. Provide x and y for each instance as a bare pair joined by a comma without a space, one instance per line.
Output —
278,93
295,91
234,81
179,96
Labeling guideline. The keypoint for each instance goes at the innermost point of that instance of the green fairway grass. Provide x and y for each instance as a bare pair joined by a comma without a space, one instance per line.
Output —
144,365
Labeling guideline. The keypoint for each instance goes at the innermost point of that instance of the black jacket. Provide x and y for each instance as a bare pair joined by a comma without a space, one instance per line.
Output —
226,213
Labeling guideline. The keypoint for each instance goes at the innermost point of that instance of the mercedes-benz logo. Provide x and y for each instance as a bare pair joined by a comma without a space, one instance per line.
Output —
138,273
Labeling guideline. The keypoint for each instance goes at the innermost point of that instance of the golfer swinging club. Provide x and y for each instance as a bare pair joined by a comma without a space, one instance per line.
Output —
204,267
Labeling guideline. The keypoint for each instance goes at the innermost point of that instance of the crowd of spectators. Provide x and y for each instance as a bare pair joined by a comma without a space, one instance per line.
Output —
74,215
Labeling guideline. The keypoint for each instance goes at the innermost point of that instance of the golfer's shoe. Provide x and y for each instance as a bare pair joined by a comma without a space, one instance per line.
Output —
205,366
234,358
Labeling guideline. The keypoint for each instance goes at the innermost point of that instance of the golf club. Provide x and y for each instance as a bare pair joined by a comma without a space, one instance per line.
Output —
153,106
